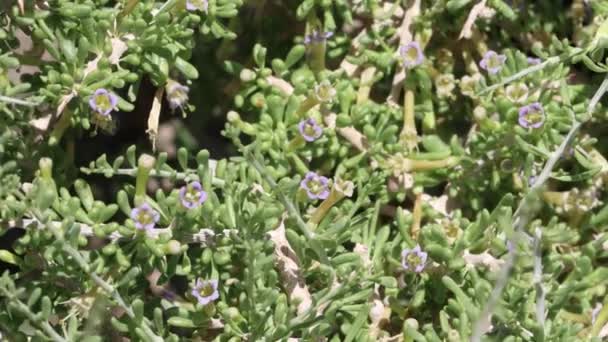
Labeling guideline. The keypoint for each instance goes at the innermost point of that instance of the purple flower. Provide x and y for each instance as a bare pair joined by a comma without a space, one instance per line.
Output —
411,53
317,37
205,291
310,130
145,217
192,195
492,62
532,115
103,101
316,186
533,60
177,94
197,5
413,259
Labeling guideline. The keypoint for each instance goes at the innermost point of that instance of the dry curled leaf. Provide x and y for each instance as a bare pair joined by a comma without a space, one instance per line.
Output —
479,10
154,116
484,259
288,265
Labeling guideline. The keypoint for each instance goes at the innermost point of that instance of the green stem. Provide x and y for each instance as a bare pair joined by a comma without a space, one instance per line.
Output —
289,206
188,175
60,127
13,100
24,309
165,7
427,165
144,166
333,198
523,215
550,61
296,143
105,286
409,135
317,57
306,105
600,321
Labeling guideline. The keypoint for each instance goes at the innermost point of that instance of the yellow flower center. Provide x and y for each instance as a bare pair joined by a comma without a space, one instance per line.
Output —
413,259
103,102
534,117
144,217
411,54
206,290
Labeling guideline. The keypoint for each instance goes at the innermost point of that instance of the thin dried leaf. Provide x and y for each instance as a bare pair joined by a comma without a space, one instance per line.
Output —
118,49
91,66
280,84
64,102
483,259
154,116
288,265
479,10
41,124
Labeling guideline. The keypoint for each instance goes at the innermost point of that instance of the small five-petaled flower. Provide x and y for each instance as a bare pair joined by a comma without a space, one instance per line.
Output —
492,62
325,92
177,94
316,187
532,115
317,37
103,102
205,291
413,259
197,5
192,195
310,130
145,217
411,53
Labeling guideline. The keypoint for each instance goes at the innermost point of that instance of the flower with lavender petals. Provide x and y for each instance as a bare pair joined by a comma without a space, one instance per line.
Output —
317,37
145,217
533,60
532,115
310,130
492,62
413,259
205,291
177,94
197,5
103,101
411,53
316,186
192,195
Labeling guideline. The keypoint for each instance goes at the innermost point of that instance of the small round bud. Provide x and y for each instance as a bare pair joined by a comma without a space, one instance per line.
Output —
479,113
247,75
233,116
412,322
146,161
173,247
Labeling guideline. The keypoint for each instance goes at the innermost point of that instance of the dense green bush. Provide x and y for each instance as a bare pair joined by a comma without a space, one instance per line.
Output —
388,170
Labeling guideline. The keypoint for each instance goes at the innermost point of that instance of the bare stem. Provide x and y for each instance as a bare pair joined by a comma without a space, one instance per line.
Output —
288,204
24,309
13,100
523,215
